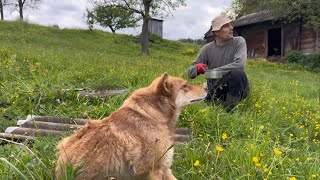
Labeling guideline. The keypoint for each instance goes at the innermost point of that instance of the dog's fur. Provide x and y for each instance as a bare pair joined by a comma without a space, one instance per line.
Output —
135,141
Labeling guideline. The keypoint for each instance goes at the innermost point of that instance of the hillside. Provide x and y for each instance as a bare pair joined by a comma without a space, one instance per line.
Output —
41,65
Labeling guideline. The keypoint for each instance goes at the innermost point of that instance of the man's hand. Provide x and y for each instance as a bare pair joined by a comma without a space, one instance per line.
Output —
201,68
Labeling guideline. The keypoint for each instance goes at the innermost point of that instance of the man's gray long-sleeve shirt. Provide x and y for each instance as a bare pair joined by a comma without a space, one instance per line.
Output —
231,55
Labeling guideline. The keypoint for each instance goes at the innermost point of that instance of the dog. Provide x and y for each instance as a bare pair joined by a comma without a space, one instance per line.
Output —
135,141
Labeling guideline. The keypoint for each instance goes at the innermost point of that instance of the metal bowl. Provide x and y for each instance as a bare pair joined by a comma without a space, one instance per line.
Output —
212,74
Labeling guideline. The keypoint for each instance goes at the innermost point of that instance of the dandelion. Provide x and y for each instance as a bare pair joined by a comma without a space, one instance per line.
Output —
197,163
258,164
224,136
292,178
265,170
255,159
277,152
219,148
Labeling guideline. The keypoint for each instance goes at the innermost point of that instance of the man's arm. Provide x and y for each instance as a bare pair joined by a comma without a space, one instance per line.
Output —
192,70
240,57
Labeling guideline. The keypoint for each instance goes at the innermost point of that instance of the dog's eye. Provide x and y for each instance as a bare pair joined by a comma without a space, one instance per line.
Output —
185,87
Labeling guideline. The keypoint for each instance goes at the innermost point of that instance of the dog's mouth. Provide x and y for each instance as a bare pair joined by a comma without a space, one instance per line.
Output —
197,100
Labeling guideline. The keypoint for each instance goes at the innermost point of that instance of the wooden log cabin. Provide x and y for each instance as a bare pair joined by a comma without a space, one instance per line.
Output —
270,38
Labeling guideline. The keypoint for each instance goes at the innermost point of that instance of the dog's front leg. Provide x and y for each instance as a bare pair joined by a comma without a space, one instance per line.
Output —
156,175
168,175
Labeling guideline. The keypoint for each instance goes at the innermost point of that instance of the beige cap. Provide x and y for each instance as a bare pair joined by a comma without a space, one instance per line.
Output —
219,21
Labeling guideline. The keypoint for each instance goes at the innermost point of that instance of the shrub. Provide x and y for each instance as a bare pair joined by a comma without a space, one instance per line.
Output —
295,57
189,52
314,61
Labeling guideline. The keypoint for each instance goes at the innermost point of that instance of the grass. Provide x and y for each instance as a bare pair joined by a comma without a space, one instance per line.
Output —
274,134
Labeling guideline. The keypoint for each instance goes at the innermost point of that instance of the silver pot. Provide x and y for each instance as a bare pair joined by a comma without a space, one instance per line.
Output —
212,74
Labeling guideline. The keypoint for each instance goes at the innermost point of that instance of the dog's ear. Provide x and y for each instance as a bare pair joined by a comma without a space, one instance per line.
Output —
163,86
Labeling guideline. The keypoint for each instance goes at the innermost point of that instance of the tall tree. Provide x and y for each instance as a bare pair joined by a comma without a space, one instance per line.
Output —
1,9
21,4
2,4
89,17
144,9
114,17
307,11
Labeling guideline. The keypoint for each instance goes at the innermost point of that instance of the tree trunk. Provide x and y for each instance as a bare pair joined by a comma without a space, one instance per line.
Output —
113,30
21,9
1,9
145,32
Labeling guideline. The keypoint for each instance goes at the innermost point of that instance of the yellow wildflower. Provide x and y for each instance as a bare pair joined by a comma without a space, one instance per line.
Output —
258,164
196,164
224,136
292,178
255,159
277,152
219,148
265,170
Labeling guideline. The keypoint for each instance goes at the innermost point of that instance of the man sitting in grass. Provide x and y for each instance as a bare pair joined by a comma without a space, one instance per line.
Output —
227,54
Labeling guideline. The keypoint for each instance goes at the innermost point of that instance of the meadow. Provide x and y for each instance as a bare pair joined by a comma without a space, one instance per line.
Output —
274,133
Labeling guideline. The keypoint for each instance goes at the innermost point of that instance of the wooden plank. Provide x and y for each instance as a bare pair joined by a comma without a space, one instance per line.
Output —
36,132
60,120
181,138
307,46
308,40
15,137
51,126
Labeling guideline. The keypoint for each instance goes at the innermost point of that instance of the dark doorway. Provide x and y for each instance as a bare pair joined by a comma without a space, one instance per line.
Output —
274,42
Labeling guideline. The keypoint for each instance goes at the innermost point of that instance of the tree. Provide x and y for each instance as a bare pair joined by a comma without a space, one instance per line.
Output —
114,17
307,11
144,9
1,9
2,4
21,4
89,18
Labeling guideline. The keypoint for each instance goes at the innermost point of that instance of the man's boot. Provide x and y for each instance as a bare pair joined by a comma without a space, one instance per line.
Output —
231,102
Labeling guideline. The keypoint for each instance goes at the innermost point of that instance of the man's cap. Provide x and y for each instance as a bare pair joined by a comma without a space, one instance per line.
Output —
219,21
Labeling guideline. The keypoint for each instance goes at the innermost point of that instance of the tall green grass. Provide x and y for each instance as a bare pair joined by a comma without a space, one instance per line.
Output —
274,134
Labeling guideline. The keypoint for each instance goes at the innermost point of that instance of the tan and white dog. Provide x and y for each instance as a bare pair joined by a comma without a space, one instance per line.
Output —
134,141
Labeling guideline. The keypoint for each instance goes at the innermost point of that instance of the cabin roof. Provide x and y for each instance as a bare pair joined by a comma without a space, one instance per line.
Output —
253,18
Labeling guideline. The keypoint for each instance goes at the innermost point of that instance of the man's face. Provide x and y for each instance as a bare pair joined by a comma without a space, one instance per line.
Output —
226,32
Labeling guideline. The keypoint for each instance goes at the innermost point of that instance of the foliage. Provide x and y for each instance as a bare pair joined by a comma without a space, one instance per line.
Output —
113,17
20,5
289,10
144,9
274,133
89,17
314,61
295,57
193,41
311,62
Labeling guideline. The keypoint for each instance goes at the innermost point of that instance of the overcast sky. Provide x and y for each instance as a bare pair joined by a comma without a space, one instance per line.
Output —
190,21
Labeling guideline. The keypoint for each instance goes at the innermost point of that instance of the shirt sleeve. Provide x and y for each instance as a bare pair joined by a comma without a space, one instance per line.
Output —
201,58
240,57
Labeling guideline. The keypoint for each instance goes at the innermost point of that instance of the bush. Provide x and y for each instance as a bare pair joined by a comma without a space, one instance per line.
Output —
189,52
314,61
295,57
